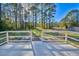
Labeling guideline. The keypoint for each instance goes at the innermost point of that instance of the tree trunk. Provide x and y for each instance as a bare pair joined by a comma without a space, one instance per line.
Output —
42,14
35,19
15,15
0,11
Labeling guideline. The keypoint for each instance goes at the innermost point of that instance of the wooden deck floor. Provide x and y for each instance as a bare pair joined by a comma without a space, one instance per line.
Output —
38,48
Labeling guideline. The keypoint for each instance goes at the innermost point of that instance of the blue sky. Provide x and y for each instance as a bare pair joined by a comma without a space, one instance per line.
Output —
63,8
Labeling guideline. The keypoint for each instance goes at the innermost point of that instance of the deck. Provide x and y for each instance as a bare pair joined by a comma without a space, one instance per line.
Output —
38,48
30,45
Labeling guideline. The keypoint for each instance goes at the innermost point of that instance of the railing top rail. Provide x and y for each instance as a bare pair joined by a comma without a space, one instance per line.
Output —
2,32
60,31
15,31
74,32
53,31
18,31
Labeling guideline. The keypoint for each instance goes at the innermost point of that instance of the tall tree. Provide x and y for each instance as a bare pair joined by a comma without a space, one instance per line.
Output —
0,11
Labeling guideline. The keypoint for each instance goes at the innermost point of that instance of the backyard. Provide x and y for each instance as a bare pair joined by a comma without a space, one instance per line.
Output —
38,29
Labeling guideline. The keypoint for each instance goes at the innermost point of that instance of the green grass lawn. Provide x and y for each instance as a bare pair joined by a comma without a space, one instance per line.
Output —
36,32
62,34
54,34
71,34
19,34
74,35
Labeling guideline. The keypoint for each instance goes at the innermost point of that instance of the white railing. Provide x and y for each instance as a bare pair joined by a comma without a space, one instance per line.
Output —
72,32
2,37
61,32
19,36
14,36
54,36
7,33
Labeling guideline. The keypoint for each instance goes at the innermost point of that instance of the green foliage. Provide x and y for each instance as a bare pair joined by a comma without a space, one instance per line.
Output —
6,24
37,32
15,16
70,20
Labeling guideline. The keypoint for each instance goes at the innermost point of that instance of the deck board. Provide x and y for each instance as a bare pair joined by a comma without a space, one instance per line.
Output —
40,48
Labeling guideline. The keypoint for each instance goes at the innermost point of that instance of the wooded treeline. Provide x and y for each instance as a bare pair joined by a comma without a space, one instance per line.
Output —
26,15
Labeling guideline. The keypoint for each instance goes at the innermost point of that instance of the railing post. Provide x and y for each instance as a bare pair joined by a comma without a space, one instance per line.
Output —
7,36
41,33
31,35
66,37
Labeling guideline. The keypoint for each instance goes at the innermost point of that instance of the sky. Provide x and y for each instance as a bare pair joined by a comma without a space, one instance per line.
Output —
63,8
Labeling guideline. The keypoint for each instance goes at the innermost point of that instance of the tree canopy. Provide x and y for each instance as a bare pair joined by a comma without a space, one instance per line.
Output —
23,16
71,19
